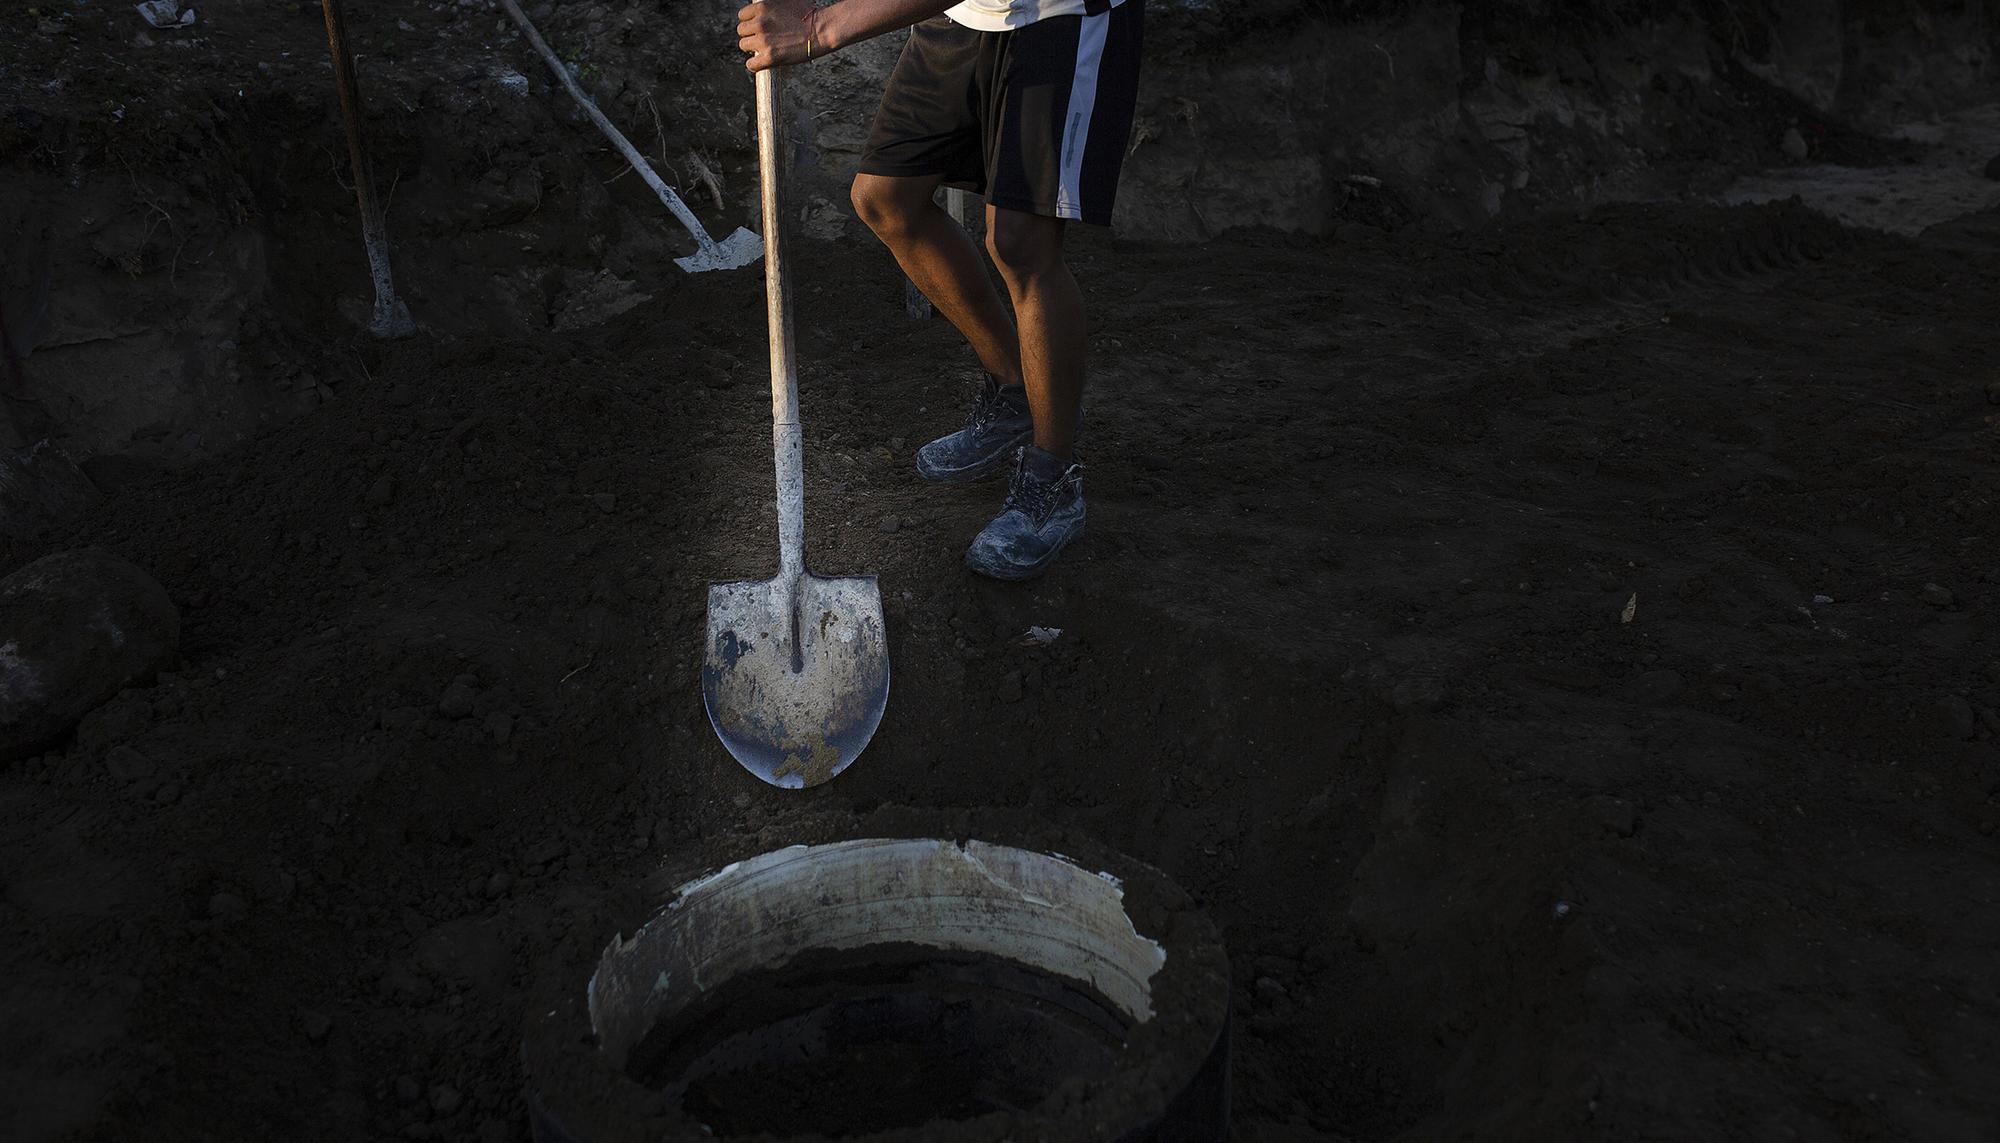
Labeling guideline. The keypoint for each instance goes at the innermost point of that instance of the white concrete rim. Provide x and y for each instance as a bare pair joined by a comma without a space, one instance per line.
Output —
1036,909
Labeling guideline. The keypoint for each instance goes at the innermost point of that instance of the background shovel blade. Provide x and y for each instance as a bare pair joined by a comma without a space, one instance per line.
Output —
795,697
732,253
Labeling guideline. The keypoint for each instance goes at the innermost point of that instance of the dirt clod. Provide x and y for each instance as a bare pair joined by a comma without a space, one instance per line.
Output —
316,1025
125,764
1960,720
458,699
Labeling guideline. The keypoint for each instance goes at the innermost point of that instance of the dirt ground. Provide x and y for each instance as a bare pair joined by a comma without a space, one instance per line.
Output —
1561,657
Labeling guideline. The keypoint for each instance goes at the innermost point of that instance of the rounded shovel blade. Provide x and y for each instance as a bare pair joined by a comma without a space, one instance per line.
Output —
796,674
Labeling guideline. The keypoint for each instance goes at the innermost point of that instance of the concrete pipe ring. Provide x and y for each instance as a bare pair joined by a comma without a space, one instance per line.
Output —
893,989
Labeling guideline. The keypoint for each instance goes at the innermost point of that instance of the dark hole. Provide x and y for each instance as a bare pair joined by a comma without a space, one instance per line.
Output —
847,1043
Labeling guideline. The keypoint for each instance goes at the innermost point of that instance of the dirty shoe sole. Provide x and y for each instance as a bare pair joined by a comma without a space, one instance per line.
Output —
1015,573
979,469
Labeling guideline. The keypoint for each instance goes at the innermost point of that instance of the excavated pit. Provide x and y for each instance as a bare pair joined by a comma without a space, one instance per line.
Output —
902,988
885,1037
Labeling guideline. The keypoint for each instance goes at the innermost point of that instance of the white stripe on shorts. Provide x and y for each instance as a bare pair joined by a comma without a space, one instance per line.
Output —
1082,102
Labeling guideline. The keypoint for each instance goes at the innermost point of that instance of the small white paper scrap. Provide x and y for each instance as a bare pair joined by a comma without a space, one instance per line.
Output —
165,13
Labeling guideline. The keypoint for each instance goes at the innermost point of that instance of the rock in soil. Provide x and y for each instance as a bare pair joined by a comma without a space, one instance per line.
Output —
75,629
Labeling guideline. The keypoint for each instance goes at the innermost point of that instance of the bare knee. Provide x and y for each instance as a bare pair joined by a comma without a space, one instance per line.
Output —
1024,246
886,205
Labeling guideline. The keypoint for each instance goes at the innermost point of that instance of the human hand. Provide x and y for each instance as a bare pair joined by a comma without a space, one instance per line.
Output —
776,32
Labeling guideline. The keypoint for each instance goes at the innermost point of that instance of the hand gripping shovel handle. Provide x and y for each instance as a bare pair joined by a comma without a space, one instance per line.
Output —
785,437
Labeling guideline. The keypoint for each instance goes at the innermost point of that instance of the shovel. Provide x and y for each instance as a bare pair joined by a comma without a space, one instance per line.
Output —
732,253
797,667
392,317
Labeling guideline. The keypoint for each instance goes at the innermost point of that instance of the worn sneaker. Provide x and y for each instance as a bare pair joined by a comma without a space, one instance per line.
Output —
1044,512
998,426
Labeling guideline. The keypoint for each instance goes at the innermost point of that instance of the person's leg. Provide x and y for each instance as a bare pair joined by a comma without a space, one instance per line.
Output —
937,254
1048,307
1044,510
1054,142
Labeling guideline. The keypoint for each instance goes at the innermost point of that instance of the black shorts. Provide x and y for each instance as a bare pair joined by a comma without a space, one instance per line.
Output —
1036,119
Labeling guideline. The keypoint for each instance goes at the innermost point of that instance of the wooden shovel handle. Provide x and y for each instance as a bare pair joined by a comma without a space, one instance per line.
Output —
785,434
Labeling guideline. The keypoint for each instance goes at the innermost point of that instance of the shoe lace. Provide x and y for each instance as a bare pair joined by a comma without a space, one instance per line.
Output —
987,407
1029,494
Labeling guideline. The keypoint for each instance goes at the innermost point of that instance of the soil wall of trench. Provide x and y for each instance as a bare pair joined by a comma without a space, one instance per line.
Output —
182,267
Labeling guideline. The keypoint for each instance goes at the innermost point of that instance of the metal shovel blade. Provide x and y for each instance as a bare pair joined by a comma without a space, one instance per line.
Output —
732,253
796,674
